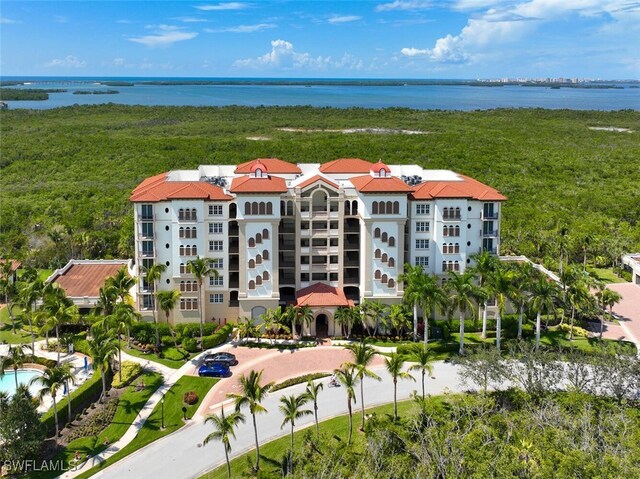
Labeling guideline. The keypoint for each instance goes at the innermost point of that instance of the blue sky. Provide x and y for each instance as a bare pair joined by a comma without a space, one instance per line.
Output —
359,39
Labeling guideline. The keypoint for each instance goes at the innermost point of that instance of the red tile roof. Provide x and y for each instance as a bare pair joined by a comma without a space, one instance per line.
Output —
369,184
321,294
15,264
467,188
274,165
380,166
246,184
157,188
82,280
315,178
346,165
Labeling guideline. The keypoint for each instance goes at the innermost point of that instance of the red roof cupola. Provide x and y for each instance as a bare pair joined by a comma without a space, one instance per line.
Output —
259,170
380,170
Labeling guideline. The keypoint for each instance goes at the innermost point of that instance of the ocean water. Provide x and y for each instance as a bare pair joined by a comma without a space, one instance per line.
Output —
449,95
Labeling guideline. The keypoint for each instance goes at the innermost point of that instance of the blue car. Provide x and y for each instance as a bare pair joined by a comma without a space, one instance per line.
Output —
214,370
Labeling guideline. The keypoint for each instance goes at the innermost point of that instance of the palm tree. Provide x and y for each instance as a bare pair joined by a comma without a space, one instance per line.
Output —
485,264
16,358
167,300
123,283
394,364
51,380
412,278
28,295
154,273
313,391
8,288
107,298
343,317
124,317
303,316
102,349
68,378
577,295
520,295
398,318
224,428
433,297
252,394
606,298
348,377
462,293
544,294
291,409
500,284
247,328
372,312
423,360
60,310
363,354
200,268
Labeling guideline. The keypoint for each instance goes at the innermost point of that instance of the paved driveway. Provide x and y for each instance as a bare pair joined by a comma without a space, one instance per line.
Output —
628,309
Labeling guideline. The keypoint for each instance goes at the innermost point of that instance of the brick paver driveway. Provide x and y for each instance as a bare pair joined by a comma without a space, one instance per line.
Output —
628,309
277,366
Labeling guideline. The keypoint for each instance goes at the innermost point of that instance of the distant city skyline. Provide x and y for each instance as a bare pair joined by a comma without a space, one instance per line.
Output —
465,39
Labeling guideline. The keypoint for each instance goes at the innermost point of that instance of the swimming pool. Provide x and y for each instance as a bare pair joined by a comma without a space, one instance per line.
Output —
8,381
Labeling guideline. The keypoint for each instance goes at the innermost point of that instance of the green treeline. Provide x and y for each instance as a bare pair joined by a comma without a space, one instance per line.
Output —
16,94
66,174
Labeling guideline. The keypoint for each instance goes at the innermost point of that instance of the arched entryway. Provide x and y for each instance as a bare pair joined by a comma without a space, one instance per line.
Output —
322,326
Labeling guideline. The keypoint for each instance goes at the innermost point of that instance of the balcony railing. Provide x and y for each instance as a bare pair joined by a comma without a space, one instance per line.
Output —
449,217
489,233
147,254
185,217
490,216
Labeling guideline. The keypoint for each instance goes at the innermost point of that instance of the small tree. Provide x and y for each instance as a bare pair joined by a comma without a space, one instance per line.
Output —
363,354
313,391
348,377
16,358
200,268
291,409
482,367
102,349
394,364
154,274
423,358
224,428
537,371
51,381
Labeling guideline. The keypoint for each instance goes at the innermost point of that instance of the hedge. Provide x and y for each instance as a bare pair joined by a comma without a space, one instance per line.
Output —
130,371
192,330
218,338
297,380
81,398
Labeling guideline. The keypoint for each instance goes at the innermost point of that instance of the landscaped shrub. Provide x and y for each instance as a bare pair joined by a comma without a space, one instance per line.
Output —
175,354
298,380
146,332
167,341
190,398
97,423
218,338
577,331
130,371
190,345
192,330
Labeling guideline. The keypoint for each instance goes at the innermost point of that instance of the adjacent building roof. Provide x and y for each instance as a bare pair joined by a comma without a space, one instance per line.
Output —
15,264
157,188
274,165
315,178
320,294
369,184
346,165
81,279
247,184
467,188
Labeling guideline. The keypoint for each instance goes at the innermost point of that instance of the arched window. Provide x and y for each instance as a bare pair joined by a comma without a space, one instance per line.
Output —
258,238
385,257
247,208
181,232
265,276
396,207
389,207
252,263
392,262
289,208
265,255
377,274
252,284
283,208
456,266
392,241
376,233
181,213
444,266
445,231
457,248
254,208
384,237
194,286
193,214
347,207
194,250
258,173
181,250
384,279
252,243
265,233
269,208
259,259
381,208
374,208
183,268
233,210
457,231
377,254
259,281
391,283
354,207
181,285
262,210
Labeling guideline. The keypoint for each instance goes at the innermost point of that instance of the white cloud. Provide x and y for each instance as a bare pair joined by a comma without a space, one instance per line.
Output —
192,19
69,61
284,57
164,35
124,21
60,19
343,19
223,6
403,5
8,21
243,28
118,62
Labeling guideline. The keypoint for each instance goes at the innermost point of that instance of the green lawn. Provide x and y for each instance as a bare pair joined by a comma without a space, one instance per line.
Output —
173,421
607,275
172,356
129,405
6,334
272,452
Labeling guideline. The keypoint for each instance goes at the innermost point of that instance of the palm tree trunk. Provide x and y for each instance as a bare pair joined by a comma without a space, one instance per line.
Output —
33,335
498,329
461,351
58,342
362,400
350,421
426,328
15,375
155,320
484,321
291,452
395,399
573,311
255,432
415,321
119,358
68,402
602,322
538,328
226,455
104,385
202,315
423,373
315,414
55,415
10,310
520,322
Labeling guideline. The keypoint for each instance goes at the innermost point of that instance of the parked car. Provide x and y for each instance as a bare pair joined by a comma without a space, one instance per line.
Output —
214,370
225,358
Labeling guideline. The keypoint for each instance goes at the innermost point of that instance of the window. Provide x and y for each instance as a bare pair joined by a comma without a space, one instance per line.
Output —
213,281
422,244
251,243
392,241
488,211
265,255
384,237
258,238
259,281
215,210
304,277
265,233
265,276
392,262
188,304
215,228
147,248
252,284
146,212
377,274
216,298
422,209
216,246
183,268
384,279
384,258
188,286
216,263
374,208
377,254
376,233
147,301
147,230
451,230
422,227
396,207
422,261
259,259
252,263
391,283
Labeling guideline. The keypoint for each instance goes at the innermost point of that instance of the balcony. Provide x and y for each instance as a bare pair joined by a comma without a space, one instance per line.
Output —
490,216
186,217
146,217
489,233
147,254
490,250
449,217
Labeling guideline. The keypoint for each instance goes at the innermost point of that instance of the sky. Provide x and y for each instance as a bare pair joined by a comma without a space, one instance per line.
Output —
322,39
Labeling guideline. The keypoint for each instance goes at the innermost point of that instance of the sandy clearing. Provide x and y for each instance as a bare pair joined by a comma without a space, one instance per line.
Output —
375,131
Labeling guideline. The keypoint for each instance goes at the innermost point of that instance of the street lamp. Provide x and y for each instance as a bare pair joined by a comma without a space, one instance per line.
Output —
162,409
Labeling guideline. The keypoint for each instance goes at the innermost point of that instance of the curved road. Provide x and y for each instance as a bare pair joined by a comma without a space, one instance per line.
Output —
181,455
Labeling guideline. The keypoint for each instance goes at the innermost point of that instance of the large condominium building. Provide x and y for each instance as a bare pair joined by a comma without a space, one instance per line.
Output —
325,235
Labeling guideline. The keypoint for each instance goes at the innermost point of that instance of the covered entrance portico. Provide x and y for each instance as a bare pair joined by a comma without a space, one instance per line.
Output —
323,300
